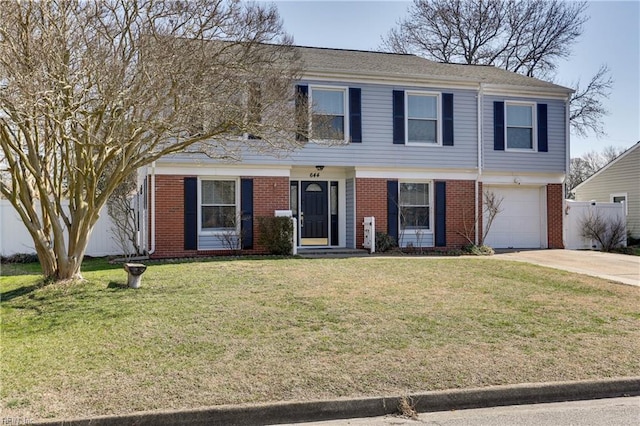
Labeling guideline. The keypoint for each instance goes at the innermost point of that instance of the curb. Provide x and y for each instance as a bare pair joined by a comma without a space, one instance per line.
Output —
313,411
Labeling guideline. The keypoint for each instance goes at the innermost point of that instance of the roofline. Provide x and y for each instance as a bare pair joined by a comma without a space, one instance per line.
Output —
443,82
533,90
609,164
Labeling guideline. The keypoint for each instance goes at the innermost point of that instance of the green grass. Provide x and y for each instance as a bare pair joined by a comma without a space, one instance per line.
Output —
216,332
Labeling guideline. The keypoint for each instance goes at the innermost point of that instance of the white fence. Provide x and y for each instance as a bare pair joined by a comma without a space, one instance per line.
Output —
575,212
14,237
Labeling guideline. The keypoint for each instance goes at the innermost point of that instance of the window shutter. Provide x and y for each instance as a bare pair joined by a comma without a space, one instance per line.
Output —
246,215
392,208
447,119
398,117
498,126
543,141
302,112
441,214
190,213
355,115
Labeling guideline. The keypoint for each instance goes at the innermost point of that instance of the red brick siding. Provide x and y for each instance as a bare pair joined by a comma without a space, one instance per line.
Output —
371,200
460,212
269,194
169,216
554,216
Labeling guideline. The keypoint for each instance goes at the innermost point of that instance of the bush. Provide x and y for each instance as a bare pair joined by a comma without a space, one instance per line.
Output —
385,242
609,233
276,234
20,258
478,250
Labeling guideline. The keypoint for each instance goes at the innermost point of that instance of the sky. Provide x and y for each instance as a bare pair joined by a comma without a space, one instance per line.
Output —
611,36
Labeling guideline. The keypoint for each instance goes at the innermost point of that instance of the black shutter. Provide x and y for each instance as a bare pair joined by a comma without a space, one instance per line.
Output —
392,208
302,112
355,115
447,119
441,214
498,126
246,209
398,117
543,141
190,213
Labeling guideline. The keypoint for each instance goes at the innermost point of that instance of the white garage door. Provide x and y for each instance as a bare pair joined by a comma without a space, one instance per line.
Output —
522,222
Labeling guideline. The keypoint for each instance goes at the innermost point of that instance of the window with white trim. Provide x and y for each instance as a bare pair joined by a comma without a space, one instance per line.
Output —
423,118
218,205
414,208
328,113
520,126
620,198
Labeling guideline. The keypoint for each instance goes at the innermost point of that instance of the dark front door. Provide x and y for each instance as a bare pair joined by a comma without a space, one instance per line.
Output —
314,212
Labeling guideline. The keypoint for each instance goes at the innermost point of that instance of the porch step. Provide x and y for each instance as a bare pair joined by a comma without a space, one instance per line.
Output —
330,252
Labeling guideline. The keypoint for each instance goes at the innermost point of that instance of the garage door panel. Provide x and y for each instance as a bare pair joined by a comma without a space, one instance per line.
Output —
518,225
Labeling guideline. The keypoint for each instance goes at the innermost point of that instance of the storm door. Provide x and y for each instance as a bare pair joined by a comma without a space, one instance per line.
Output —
314,214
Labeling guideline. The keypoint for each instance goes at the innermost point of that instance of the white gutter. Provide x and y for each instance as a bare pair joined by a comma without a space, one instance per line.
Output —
477,186
567,136
153,209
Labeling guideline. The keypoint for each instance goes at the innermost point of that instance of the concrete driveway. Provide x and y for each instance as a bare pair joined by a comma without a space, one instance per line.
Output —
621,268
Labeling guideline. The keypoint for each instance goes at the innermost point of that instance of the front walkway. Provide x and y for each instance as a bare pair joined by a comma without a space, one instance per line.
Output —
621,268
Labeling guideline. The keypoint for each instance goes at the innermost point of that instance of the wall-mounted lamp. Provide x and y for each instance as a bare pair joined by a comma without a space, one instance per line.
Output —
517,181
319,168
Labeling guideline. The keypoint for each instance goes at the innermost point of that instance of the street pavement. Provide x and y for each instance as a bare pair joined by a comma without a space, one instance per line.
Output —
601,412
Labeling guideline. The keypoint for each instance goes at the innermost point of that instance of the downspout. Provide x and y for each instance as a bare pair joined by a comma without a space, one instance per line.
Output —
479,176
153,209
567,137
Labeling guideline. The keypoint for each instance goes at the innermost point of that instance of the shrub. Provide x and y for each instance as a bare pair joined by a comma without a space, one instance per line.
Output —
385,242
609,233
20,258
276,234
478,250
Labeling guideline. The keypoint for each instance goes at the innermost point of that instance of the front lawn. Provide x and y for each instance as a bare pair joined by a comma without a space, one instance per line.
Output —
232,331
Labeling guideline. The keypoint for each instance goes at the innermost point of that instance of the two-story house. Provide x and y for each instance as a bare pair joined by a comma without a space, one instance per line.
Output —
415,144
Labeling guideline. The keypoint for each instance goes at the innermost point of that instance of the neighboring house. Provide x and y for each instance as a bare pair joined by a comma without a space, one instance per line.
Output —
417,144
617,182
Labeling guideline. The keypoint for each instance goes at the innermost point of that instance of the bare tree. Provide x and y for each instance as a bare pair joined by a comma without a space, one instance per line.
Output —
587,107
526,36
609,233
123,215
92,90
491,209
581,168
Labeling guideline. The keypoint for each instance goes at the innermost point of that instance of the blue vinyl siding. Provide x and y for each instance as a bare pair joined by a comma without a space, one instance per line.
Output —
378,150
553,161
350,213
216,242
410,238
377,147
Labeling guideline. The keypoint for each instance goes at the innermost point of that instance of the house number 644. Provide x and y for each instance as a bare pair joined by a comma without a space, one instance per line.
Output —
314,175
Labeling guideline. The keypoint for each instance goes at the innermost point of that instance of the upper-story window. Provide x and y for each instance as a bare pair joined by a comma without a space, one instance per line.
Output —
218,205
422,117
520,119
328,113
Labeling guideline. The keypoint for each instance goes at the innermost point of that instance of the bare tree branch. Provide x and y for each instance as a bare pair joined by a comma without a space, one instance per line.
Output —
91,91
586,106
525,36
